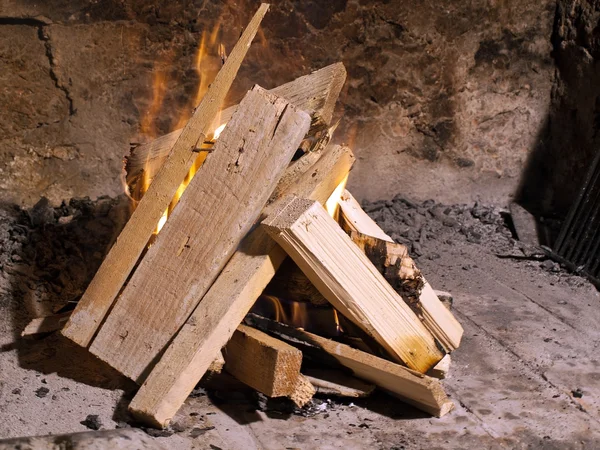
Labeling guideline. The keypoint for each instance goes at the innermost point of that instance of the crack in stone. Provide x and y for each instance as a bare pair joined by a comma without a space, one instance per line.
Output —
40,24
43,36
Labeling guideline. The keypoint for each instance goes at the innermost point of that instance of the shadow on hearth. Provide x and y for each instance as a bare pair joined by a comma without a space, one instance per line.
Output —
50,256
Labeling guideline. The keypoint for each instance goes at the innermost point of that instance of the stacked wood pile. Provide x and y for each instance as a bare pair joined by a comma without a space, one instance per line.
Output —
167,313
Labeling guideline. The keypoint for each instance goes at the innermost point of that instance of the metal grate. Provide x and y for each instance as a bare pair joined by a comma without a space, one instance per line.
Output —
578,243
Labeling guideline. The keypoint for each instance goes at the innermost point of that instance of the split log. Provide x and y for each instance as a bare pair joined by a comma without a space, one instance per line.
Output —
421,391
262,362
336,383
350,282
122,257
393,262
216,211
227,302
316,94
434,315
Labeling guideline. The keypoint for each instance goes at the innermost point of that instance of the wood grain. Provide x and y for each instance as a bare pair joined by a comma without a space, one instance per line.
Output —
435,316
419,390
216,211
350,282
124,254
315,93
262,362
227,302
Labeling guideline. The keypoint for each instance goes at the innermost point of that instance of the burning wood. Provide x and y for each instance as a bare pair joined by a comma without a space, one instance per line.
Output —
121,259
162,314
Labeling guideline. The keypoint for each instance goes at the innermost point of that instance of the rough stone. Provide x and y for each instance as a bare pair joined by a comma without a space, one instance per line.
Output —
459,86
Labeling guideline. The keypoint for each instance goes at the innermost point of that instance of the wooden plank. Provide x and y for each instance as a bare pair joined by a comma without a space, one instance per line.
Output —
124,254
350,282
216,211
315,93
419,390
336,383
227,302
262,362
427,306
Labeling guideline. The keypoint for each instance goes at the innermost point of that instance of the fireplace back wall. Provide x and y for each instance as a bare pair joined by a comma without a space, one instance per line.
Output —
443,99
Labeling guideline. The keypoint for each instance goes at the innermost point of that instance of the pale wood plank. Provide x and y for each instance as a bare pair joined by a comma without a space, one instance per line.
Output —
262,362
227,302
435,316
350,282
216,211
315,93
124,254
421,391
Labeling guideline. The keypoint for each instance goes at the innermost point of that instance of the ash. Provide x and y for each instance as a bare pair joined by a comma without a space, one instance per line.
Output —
438,235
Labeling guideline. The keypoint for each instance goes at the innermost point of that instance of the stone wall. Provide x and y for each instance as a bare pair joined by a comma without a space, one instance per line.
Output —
443,99
571,135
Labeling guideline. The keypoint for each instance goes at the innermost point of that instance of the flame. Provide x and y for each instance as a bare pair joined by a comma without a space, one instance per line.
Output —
206,69
332,203
159,88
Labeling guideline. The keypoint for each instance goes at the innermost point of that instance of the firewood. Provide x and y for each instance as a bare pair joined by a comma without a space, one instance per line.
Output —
216,211
303,391
122,257
350,282
316,94
336,383
423,392
426,305
229,299
262,362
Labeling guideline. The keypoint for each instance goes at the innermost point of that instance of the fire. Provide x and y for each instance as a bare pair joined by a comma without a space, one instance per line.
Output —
332,203
208,59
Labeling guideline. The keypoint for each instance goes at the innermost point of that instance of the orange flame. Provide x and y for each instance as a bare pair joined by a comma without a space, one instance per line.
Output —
207,71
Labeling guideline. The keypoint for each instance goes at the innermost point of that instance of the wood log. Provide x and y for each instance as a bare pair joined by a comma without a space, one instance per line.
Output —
227,302
434,315
421,391
262,362
122,257
216,211
350,282
336,383
316,94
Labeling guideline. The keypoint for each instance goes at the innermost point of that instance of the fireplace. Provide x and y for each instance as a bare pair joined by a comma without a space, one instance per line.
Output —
220,311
